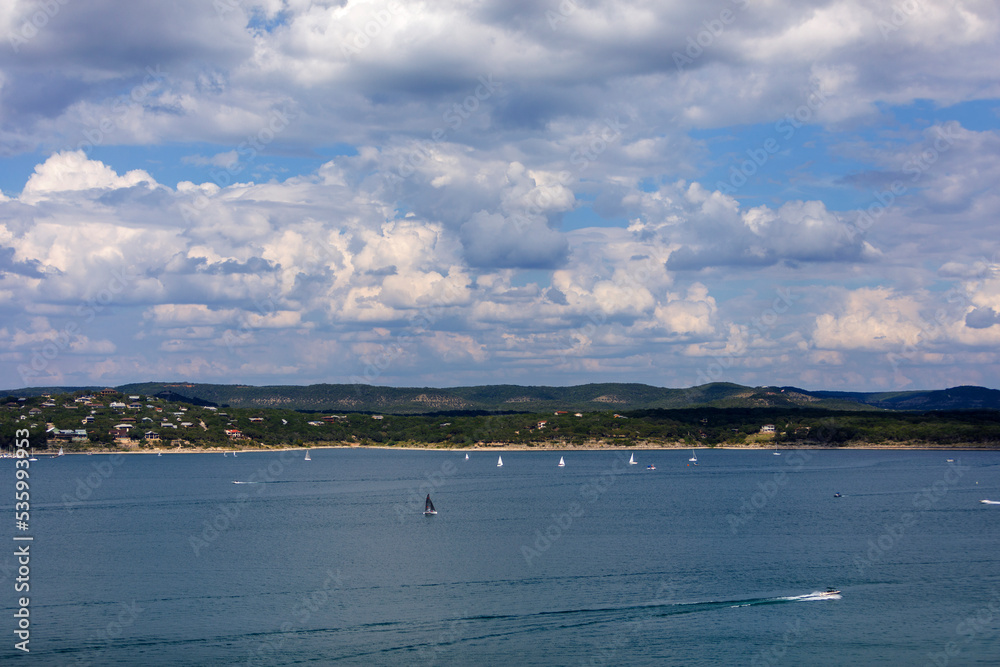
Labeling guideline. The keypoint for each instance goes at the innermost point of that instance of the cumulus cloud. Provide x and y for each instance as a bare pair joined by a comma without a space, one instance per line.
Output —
870,319
982,318
73,171
513,189
493,241
712,229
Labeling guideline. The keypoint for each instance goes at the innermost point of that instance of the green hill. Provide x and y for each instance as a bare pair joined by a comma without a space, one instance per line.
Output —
516,398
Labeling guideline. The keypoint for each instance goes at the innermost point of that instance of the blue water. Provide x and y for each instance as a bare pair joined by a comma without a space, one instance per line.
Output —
597,563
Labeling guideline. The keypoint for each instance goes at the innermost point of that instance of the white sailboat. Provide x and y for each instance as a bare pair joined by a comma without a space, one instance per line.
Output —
776,452
632,461
308,458
60,452
499,461
466,457
429,506
562,463
694,457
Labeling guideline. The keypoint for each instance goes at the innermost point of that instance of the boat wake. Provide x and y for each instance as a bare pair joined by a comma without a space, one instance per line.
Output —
815,595
990,502
688,607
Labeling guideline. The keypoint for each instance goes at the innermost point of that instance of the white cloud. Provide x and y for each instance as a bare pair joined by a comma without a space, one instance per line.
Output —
72,171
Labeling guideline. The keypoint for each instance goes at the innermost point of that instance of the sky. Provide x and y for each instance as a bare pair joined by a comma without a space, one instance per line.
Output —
767,192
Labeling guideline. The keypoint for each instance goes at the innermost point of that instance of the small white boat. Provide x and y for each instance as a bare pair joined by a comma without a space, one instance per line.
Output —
632,461
499,461
466,457
776,452
694,457
159,453
562,463
60,452
429,506
308,458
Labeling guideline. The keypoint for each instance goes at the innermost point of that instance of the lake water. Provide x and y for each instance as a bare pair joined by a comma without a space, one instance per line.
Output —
145,560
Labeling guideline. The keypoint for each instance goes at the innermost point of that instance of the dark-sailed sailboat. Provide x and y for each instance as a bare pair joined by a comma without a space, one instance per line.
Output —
429,506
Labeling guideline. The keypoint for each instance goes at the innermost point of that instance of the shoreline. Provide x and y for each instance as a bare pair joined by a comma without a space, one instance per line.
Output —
537,448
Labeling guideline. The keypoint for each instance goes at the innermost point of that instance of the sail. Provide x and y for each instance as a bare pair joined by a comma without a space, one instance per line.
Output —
429,506
631,459
499,461
308,458
562,463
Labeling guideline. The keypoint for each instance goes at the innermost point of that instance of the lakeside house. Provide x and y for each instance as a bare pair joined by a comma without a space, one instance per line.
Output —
767,428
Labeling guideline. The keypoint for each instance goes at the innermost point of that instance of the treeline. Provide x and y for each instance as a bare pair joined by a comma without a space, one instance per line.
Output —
207,427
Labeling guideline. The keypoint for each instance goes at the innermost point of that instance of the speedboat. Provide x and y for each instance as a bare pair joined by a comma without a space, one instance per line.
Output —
830,591
837,495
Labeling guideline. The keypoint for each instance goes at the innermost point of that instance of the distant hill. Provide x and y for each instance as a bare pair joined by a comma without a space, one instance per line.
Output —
956,398
515,398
